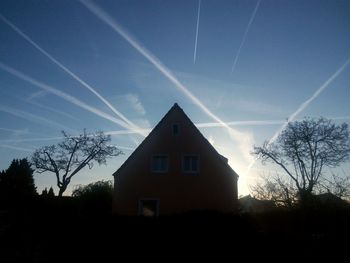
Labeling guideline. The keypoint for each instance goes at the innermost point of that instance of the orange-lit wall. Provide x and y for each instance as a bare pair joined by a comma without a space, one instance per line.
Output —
214,188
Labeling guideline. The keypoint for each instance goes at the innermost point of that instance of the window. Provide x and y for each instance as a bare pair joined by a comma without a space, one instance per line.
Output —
190,163
149,207
160,163
175,129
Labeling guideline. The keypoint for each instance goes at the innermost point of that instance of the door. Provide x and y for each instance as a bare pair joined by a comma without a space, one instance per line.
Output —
149,207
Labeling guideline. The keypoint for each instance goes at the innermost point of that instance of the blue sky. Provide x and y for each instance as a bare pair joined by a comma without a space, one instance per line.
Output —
255,61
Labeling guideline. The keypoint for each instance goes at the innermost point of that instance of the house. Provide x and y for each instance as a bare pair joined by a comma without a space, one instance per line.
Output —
174,170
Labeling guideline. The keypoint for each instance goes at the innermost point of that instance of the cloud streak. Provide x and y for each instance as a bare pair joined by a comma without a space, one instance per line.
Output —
306,104
32,117
252,17
198,125
69,72
197,29
239,123
309,100
135,103
64,96
244,140
53,110
16,148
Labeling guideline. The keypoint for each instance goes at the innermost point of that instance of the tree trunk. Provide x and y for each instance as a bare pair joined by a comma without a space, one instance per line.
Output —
61,191
305,197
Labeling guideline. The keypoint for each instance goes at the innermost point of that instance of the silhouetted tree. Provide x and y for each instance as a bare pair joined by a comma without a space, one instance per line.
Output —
337,185
17,181
96,188
71,155
44,192
304,148
51,193
95,197
276,189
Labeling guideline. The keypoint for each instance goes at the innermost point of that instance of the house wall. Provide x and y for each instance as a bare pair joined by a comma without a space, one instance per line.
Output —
214,188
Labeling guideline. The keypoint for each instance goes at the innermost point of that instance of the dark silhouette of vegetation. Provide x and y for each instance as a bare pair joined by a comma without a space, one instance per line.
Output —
44,192
303,150
73,154
95,197
17,182
337,185
274,188
51,193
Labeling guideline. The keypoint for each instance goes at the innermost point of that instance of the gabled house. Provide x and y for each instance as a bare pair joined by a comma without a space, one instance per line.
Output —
174,170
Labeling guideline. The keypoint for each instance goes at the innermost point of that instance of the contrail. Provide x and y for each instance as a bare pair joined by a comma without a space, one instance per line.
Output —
239,123
197,28
126,132
308,101
29,116
245,36
125,148
53,110
32,150
304,105
74,76
146,131
10,130
31,140
16,148
243,139
63,95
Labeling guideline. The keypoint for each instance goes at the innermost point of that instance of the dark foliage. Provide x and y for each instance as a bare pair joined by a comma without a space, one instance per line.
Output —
198,233
95,197
51,193
17,182
44,192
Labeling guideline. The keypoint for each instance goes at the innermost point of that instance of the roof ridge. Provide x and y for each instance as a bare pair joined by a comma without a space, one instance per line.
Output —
173,108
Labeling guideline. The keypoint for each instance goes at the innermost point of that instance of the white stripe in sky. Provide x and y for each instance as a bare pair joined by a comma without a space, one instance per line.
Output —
21,149
244,140
53,110
308,101
146,131
64,96
11,130
304,105
32,117
197,29
59,64
245,36
31,139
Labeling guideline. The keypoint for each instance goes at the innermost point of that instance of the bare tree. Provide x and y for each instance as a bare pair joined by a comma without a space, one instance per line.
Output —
276,189
304,148
71,155
337,185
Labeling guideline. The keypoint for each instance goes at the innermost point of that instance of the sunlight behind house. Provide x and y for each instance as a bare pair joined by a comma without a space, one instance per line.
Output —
239,69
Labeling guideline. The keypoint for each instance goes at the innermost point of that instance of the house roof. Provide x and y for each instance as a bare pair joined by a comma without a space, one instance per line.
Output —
177,108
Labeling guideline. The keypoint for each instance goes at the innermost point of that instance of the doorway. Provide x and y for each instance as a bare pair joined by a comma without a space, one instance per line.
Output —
149,207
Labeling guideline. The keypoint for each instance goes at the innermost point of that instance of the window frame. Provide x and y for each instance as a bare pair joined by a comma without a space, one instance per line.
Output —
175,124
167,163
190,171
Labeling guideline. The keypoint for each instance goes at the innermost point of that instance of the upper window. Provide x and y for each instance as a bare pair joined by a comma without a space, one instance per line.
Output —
190,163
175,129
160,163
